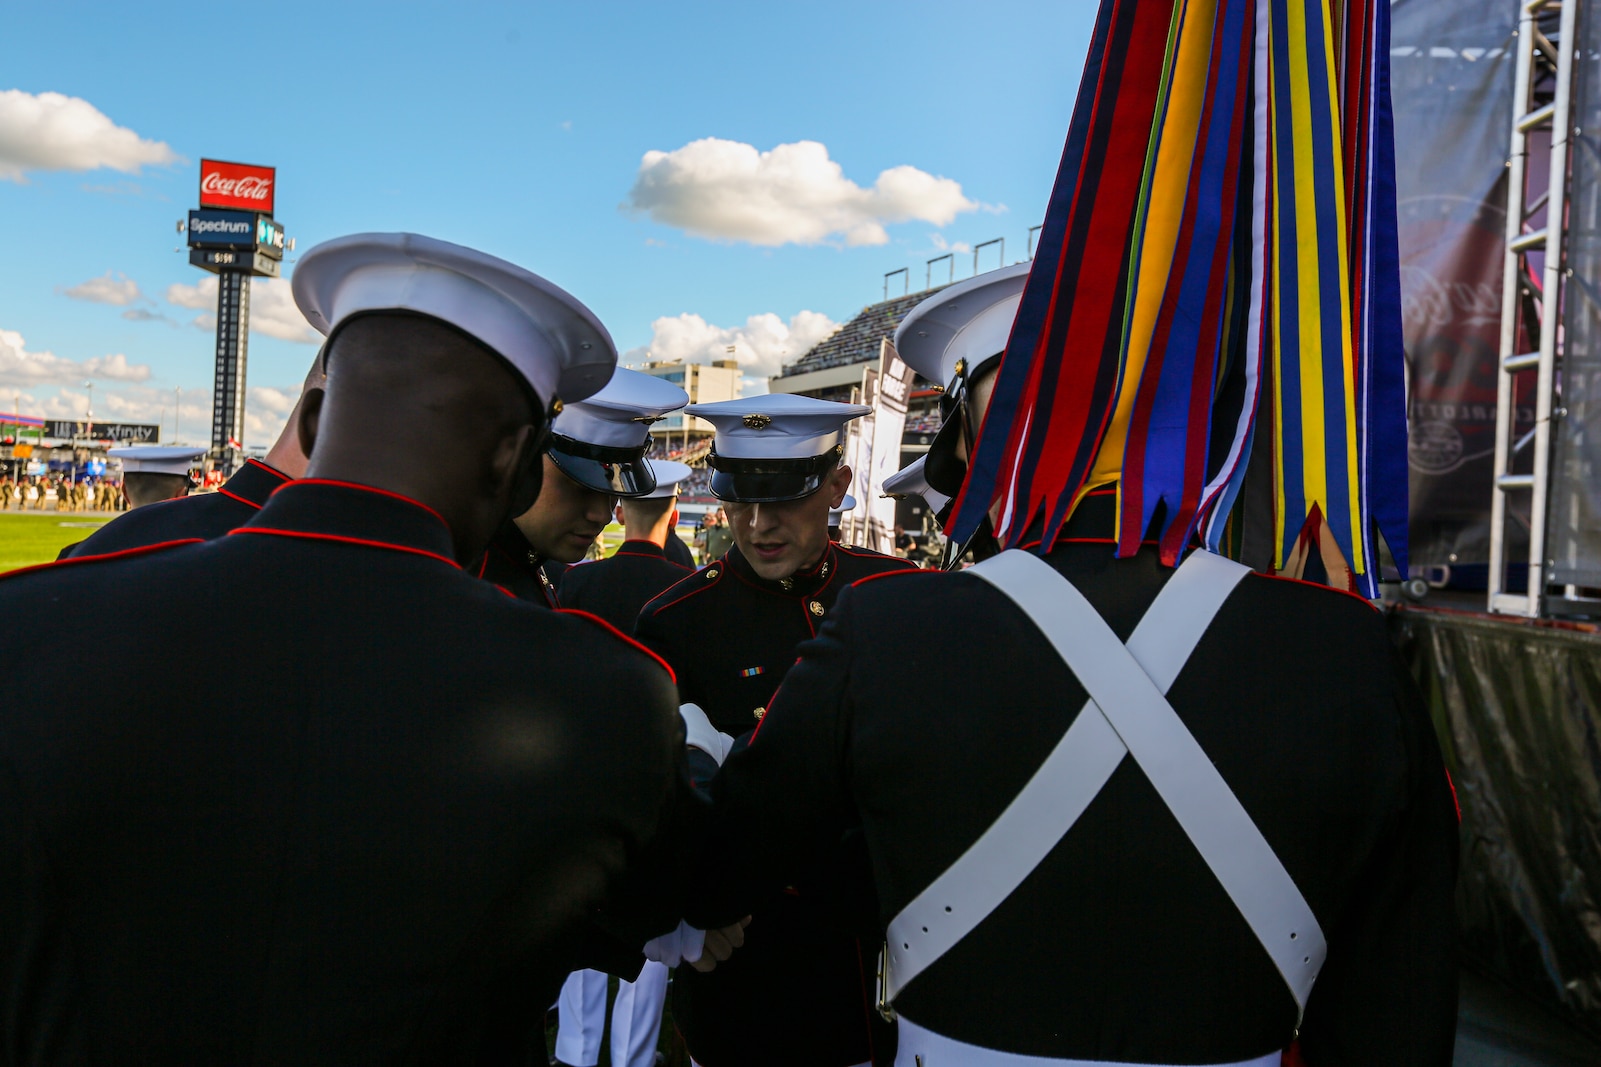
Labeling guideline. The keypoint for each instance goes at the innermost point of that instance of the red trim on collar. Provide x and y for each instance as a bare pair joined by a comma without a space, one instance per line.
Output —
365,489
274,471
483,566
103,556
1358,597
894,574
341,539
705,584
235,496
615,632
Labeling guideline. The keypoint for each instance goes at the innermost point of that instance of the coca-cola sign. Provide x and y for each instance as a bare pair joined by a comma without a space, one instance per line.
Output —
237,185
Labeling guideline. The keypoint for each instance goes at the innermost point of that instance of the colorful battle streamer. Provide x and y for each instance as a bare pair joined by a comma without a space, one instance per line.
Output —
1217,285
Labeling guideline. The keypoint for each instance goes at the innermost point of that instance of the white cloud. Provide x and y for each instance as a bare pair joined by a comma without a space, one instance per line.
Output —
20,367
55,132
959,247
146,315
794,194
272,308
762,345
116,289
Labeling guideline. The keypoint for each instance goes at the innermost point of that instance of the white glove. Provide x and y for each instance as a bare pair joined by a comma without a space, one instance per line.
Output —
700,733
683,945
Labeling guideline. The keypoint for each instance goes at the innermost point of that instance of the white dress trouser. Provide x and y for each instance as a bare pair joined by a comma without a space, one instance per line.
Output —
636,1018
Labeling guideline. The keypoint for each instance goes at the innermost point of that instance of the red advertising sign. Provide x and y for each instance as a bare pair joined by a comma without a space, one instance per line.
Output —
237,185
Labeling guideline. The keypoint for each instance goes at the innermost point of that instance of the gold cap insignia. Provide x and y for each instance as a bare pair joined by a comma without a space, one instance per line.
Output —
758,421
817,607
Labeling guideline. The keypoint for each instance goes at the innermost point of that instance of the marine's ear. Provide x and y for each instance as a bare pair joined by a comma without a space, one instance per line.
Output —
519,465
309,418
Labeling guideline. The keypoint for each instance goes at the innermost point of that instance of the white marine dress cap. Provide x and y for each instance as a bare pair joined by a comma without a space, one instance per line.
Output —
669,473
158,459
950,339
601,442
912,480
967,323
556,343
774,447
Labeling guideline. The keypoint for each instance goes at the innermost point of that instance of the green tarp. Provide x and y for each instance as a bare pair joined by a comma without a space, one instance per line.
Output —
1518,710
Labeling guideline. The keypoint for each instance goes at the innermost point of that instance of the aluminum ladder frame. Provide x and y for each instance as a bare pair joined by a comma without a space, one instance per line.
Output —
1520,241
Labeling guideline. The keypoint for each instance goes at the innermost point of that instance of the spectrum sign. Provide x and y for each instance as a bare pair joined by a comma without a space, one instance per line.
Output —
239,186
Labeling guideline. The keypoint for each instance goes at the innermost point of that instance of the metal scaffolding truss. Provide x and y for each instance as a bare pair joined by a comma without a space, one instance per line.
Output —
1536,225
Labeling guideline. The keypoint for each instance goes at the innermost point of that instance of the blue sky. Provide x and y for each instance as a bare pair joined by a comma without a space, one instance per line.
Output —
522,130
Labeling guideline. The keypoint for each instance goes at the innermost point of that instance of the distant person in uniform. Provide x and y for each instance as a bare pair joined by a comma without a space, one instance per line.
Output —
596,456
718,535
798,993
676,550
837,516
153,473
208,515
1153,817
415,803
619,586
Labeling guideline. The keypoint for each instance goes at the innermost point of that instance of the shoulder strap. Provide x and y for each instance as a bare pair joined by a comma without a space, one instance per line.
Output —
1130,682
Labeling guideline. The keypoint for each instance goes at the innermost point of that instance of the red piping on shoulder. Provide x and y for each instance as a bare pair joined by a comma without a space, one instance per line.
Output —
704,585
235,496
365,489
1454,801
274,471
341,539
1358,597
867,553
103,556
891,574
615,632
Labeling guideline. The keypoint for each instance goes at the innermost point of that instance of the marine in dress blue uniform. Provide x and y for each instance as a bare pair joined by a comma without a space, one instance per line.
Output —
618,587
596,456
799,991
208,515
1132,932
615,589
382,834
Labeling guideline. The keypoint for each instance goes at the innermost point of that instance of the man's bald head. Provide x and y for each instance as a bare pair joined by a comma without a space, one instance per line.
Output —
416,406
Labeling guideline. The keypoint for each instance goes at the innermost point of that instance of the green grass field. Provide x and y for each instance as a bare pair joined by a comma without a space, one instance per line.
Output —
29,537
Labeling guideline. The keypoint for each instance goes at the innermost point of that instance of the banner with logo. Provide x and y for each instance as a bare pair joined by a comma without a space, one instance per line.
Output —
127,433
889,402
1451,80
241,186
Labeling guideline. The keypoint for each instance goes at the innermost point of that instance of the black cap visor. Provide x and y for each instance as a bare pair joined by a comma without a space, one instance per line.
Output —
769,481
614,471
943,470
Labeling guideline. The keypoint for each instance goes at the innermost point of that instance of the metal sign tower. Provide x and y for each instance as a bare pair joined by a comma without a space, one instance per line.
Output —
233,235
